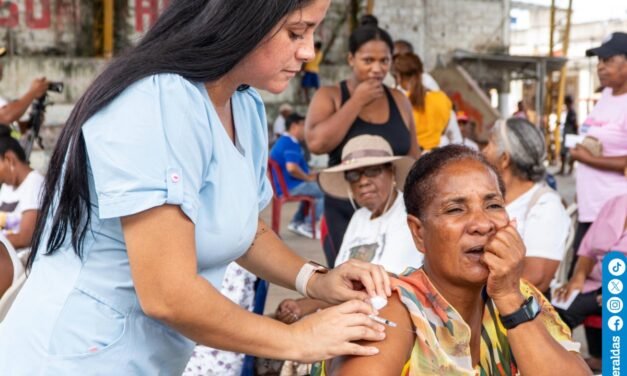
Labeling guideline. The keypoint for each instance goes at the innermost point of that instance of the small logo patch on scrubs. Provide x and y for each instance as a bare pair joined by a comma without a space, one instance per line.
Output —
93,349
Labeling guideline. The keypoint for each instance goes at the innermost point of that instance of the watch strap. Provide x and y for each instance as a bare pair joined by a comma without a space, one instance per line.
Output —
528,311
304,275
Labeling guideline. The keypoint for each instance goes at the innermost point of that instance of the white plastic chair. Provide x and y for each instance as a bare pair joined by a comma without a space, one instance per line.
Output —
19,277
561,275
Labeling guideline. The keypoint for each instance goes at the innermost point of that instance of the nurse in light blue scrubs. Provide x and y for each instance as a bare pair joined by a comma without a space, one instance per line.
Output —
155,185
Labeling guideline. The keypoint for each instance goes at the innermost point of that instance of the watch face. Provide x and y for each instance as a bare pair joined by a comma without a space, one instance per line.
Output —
535,307
532,308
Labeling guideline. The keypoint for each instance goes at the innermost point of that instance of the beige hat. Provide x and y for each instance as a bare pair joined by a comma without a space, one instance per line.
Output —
3,51
362,151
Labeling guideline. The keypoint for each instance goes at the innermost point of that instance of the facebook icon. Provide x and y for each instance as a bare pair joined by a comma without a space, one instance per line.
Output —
615,323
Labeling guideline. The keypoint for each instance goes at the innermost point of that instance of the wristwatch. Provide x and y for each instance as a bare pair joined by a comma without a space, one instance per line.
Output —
528,311
304,275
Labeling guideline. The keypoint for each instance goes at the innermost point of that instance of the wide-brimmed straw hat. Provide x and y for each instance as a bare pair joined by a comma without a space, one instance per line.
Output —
363,151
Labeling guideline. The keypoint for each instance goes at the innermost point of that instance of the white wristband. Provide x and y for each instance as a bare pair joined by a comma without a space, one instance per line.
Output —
304,275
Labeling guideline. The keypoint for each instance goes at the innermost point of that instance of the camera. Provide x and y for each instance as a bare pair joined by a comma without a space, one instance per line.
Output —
57,87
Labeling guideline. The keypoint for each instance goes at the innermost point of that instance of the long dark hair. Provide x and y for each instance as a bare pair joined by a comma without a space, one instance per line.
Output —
408,66
201,40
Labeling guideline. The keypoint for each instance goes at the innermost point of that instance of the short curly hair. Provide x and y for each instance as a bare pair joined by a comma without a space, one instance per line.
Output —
419,185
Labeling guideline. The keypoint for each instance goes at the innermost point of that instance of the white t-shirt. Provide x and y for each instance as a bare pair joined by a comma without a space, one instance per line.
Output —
471,144
279,125
15,201
385,240
545,229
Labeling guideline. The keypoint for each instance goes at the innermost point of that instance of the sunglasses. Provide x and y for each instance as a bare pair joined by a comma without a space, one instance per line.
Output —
353,176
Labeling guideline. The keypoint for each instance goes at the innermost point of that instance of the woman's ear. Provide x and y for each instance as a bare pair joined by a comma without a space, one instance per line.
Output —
416,228
504,161
10,157
350,59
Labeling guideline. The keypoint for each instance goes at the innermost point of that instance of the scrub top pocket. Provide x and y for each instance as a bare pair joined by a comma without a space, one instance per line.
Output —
86,326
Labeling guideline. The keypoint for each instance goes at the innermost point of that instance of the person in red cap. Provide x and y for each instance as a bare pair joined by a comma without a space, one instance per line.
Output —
13,111
467,128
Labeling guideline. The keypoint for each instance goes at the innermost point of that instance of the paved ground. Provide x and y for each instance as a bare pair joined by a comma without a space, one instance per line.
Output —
312,249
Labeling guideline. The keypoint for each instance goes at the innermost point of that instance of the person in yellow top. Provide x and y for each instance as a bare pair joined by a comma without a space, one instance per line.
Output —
311,69
431,109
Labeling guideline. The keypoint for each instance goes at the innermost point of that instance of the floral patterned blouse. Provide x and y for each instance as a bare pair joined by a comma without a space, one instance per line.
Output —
442,344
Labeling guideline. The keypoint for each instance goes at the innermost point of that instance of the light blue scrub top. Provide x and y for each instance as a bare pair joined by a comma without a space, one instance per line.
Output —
159,142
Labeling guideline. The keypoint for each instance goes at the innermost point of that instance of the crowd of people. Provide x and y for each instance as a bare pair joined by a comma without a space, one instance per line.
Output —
461,237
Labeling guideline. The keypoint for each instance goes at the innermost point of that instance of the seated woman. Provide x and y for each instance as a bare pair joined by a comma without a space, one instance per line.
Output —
517,149
466,311
19,194
371,177
607,233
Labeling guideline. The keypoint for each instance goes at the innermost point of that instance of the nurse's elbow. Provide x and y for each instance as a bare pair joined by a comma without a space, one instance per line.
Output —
158,308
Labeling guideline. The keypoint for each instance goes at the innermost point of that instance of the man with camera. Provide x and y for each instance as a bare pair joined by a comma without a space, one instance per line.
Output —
13,111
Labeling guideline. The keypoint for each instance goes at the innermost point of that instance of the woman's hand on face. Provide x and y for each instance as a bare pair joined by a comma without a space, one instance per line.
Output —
288,311
504,256
353,279
332,332
367,91
561,294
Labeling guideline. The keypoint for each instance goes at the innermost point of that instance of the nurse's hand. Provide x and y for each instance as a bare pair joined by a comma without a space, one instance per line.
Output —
331,332
353,279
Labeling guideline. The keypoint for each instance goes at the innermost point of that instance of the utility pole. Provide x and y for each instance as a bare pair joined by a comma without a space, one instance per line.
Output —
562,83
549,85
370,7
108,28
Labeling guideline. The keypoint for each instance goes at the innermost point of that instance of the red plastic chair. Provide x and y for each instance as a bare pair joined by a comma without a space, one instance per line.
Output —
274,171
593,321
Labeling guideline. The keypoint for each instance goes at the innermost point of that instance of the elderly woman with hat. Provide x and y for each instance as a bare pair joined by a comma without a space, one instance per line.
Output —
371,177
517,149
466,311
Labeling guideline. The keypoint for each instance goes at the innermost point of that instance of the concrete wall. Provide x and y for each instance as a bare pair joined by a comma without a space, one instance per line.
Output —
66,27
42,26
437,27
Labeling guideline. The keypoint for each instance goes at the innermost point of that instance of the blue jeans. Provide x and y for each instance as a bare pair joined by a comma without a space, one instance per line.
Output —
308,188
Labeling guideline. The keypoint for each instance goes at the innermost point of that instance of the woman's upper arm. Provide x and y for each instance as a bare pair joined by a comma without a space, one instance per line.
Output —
322,107
394,350
27,228
162,255
145,151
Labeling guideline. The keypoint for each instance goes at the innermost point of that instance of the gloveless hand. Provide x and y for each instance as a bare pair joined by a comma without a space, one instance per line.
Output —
288,311
562,293
367,91
39,86
504,256
580,153
331,332
353,279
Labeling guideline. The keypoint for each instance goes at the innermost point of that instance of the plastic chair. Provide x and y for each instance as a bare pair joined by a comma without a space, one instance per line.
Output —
561,274
19,277
276,176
